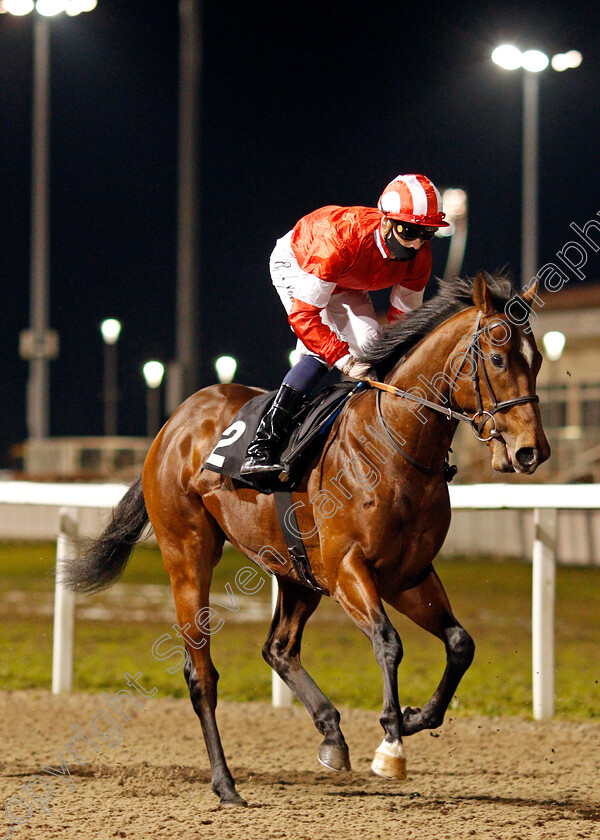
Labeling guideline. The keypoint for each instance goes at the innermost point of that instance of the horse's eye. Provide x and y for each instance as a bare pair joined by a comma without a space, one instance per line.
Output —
497,360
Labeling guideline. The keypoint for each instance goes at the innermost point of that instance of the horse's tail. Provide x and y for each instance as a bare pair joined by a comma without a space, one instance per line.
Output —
101,561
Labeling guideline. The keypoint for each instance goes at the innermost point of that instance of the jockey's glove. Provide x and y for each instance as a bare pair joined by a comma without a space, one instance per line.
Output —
359,370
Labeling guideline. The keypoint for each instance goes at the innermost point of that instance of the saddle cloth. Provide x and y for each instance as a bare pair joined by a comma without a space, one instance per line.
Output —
308,427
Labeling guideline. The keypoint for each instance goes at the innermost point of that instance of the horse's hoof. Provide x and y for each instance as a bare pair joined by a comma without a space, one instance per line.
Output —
334,757
232,800
390,761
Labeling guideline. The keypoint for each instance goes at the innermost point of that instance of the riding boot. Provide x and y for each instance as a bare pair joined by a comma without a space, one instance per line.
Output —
265,448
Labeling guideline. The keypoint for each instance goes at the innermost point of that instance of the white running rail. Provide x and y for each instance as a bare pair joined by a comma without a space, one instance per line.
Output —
544,499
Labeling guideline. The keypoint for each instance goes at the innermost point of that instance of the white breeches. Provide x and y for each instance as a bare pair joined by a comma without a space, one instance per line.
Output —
349,314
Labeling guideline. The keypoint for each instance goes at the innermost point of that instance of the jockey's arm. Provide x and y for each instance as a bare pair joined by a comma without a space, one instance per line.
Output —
310,298
403,301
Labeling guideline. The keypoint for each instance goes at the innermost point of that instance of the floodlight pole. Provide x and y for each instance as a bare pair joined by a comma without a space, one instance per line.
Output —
152,411
38,414
111,393
529,206
188,306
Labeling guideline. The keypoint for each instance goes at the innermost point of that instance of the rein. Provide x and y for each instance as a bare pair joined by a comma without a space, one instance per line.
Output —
478,420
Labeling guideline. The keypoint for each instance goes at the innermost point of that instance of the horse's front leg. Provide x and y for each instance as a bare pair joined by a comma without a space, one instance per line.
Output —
428,606
355,591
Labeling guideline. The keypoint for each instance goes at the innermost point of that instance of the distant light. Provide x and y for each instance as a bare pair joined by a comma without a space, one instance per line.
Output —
560,62
76,7
554,344
226,367
48,8
566,61
535,61
507,56
153,374
294,357
110,329
454,202
576,58
18,7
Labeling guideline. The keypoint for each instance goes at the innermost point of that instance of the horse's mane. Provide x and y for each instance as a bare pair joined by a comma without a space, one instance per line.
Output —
454,295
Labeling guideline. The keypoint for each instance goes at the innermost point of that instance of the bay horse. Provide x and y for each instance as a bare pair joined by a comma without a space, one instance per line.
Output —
373,508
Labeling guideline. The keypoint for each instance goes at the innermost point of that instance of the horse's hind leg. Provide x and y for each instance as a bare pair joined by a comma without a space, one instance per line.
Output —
281,651
428,606
189,562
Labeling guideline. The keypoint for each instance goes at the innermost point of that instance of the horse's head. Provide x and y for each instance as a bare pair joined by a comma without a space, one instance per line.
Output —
464,346
496,368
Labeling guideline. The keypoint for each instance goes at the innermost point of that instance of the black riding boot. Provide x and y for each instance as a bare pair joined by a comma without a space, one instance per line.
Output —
264,449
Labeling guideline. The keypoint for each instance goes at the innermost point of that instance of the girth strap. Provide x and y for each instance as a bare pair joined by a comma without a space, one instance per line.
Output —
293,540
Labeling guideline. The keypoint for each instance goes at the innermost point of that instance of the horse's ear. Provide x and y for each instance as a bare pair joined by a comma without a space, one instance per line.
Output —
530,294
482,297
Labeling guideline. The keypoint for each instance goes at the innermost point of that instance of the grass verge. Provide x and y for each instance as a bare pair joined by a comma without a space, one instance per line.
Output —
492,600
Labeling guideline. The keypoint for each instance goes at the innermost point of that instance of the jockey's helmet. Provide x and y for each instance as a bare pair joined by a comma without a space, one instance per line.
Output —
413,199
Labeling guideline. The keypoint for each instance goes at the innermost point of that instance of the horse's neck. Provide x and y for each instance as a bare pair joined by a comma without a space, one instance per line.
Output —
426,372
427,366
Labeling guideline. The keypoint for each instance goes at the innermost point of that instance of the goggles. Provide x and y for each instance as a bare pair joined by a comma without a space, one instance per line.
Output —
411,232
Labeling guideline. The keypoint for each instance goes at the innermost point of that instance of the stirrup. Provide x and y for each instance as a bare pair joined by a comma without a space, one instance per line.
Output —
260,469
255,466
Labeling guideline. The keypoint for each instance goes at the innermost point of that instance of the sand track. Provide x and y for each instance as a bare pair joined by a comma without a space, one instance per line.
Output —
476,777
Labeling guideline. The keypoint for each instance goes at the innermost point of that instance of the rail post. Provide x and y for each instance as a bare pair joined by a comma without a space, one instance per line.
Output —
542,611
64,604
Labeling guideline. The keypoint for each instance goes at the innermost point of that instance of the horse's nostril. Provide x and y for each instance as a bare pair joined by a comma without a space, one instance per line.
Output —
526,456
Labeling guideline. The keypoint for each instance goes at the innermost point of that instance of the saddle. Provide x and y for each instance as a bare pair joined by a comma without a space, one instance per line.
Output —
309,425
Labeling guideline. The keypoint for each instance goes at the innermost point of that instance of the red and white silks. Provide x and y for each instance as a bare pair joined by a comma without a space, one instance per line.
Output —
323,270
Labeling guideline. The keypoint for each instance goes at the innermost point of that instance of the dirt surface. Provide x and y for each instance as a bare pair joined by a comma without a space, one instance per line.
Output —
474,778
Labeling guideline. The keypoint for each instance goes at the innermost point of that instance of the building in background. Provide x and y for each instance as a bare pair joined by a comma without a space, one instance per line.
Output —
81,458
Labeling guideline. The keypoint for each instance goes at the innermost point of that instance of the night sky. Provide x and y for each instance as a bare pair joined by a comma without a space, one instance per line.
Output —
303,104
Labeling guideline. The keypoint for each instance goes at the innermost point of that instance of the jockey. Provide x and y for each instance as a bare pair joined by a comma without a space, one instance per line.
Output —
323,270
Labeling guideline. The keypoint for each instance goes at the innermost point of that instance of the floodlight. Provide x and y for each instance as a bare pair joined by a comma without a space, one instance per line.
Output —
49,8
535,61
226,367
153,374
110,329
76,7
507,56
566,61
17,7
554,344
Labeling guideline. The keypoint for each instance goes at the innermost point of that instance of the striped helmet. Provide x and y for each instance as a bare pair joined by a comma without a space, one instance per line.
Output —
413,199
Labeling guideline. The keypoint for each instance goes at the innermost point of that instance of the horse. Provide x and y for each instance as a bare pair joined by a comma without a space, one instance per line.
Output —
372,508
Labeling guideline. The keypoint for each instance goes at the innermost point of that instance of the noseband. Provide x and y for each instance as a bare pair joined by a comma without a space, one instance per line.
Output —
478,420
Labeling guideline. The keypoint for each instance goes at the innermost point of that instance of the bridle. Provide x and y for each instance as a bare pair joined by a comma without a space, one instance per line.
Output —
478,420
